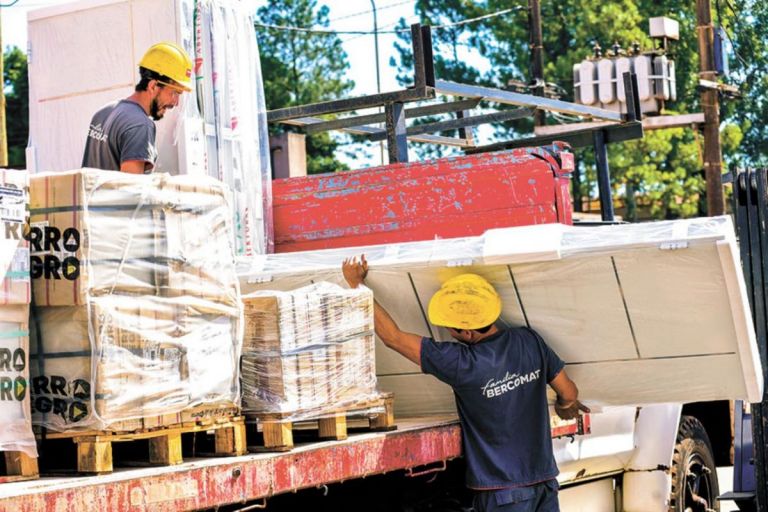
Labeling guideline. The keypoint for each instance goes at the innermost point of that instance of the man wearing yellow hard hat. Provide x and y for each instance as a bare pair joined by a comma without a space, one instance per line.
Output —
499,378
121,136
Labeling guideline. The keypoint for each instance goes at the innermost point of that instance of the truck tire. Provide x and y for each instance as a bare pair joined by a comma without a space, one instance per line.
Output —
694,474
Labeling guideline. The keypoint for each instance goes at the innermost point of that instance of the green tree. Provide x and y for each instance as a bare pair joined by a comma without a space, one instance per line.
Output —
17,105
300,68
450,47
747,23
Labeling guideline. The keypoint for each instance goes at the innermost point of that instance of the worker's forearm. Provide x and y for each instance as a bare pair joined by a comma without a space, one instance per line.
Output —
385,326
567,392
568,396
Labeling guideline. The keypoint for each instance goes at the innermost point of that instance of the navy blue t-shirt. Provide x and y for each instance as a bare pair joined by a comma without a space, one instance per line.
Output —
500,386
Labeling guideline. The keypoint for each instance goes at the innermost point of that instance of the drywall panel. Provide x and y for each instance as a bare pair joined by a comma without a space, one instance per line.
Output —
104,56
673,379
641,314
688,318
406,308
576,306
48,118
419,394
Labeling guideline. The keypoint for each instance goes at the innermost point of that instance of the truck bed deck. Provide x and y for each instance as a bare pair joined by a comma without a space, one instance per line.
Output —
203,483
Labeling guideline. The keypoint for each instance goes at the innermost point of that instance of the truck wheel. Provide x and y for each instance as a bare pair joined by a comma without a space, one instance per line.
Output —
694,474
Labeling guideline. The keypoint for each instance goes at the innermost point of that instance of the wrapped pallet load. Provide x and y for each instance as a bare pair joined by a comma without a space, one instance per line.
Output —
15,415
308,352
138,318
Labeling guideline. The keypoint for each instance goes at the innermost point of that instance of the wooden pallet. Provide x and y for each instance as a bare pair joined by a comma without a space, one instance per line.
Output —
278,428
95,448
19,466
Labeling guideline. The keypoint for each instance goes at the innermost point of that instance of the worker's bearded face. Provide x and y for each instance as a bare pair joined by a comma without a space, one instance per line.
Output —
157,109
154,110
165,99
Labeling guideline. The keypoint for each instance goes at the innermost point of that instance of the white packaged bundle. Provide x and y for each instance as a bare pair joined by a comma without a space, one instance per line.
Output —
308,351
142,324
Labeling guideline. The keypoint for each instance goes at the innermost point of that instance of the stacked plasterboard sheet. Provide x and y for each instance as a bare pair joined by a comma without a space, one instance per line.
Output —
219,129
641,313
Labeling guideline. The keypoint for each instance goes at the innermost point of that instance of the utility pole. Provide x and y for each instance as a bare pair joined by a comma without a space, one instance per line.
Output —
3,131
537,55
378,73
710,103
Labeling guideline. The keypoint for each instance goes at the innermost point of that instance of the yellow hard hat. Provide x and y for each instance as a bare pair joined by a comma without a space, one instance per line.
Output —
465,302
170,60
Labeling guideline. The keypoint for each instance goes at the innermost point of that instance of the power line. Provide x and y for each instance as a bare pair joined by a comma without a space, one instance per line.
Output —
392,24
369,11
10,4
327,32
479,18
397,31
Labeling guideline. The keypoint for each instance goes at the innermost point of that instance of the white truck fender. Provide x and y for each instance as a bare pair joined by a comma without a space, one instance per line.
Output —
647,478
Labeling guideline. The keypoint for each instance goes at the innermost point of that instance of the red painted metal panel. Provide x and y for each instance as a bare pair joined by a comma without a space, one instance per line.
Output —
200,485
446,198
576,427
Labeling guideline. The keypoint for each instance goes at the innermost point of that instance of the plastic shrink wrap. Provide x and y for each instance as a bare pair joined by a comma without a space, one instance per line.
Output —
638,312
15,412
308,352
138,319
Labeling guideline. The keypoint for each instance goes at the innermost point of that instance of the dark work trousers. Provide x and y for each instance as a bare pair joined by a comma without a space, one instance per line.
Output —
535,498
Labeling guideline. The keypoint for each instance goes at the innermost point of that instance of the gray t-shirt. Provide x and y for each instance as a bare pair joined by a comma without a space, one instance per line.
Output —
120,131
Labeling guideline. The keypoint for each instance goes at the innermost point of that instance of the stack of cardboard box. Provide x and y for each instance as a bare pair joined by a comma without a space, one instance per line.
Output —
15,415
308,350
138,319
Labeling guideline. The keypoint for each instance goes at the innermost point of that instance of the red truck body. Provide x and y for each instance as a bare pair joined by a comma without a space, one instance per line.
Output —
446,198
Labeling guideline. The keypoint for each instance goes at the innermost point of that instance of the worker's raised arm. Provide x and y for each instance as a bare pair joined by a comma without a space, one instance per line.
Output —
567,405
406,343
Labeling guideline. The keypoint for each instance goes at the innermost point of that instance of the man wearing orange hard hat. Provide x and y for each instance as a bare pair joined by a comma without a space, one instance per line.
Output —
121,136
499,378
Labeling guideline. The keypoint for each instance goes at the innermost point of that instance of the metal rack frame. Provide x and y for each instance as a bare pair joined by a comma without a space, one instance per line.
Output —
750,206
426,87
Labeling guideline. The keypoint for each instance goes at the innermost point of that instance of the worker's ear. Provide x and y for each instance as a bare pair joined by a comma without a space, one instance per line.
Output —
467,334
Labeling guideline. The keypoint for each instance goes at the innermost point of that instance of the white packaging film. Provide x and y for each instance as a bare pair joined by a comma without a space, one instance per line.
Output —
144,329
15,415
639,312
308,352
